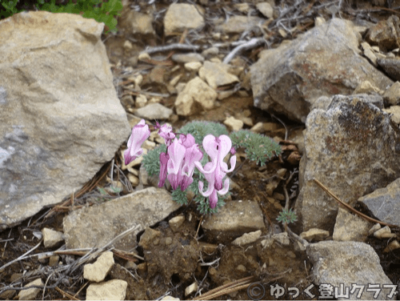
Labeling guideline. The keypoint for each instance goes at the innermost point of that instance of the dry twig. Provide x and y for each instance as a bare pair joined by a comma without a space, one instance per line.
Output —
351,208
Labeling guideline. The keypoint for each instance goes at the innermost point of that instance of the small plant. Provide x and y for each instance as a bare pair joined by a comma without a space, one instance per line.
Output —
99,10
258,148
193,161
287,217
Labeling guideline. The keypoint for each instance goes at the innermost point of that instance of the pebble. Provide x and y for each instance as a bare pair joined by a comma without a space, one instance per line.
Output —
233,124
176,222
30,294
191,289
51,238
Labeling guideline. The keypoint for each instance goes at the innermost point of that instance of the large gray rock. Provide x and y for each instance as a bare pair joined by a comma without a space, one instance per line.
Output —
384,203
60,117
323,62
352,149
348,263
98,225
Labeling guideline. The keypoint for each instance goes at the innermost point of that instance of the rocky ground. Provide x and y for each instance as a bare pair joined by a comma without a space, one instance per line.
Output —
274,67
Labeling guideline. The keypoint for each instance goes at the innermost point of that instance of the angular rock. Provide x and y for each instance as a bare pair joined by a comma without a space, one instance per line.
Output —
196,96
191,289
366,88
193,66
98,225
315,234
233,124
98,270
187,58
385,34
181,16
170,298
322,62
136,23
233,220
154,111
51,237
392,95
338,144
384,233
266,9
346,263
393,245
111,290
30,294
148,237
176,222
61,119
391,67
247,238
394,112
384,203
216,74
349,227
239,24
281,238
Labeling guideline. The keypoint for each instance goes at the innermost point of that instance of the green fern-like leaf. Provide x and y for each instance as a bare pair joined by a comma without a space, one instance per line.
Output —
200,129
151,161
258,147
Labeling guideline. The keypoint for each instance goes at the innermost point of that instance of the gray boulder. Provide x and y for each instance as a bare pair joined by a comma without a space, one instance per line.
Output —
352,149
323,62
60,117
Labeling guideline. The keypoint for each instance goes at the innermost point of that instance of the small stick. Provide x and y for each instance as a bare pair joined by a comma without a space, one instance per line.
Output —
20,257
66,294
198,228
351,208
83,286
253,43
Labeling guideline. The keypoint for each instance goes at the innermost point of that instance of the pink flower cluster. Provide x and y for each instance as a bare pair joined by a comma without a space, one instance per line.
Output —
183,155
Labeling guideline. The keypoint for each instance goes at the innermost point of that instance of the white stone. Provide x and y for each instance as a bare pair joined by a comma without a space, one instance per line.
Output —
247,238
141,101
314,234
233,124
154,111
266,9
191,289
110,290
281,238
193,66
176,222
170,298
258,127
384,233
98,270
51,237
181,16
196,95
216,74
30,294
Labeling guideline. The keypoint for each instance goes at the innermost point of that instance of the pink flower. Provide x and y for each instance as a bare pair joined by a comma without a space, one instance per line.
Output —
164,157
192,155
140,133
179,162
176,152
165,131
216,170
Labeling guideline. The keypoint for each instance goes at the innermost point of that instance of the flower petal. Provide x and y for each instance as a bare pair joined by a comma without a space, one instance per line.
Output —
226,188
192,155
213,199
164,158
